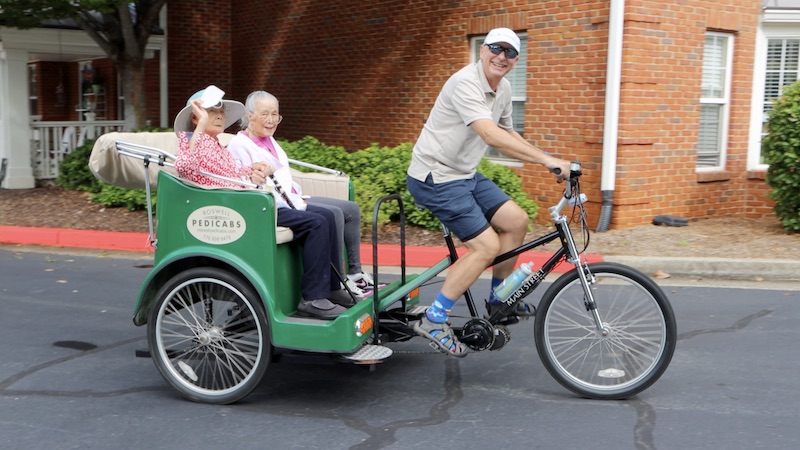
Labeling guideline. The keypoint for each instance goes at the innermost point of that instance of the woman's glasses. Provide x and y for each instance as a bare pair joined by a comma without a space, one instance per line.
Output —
496,49
272,117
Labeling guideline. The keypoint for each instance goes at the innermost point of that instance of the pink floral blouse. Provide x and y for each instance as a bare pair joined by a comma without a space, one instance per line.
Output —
209,156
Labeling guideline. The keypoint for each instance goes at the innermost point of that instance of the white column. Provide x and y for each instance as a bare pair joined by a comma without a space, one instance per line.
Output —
15,139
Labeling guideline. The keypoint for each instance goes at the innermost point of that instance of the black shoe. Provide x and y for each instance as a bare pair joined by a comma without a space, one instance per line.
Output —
342,297
321,309
524,310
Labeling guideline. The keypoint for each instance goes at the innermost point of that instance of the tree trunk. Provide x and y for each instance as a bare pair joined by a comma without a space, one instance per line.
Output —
133,90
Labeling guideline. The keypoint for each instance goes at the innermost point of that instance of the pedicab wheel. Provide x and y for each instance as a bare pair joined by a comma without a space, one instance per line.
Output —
632,350
209,335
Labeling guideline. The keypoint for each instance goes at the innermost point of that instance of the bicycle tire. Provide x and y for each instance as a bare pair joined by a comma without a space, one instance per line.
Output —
641,332
209,335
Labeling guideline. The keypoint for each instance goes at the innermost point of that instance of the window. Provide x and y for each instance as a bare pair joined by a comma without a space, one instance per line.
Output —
517,78
715,100
33,91
781,71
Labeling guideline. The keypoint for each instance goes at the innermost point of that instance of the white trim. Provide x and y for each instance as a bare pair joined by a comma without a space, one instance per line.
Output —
54,44
757,103
784,16
725,101
775,24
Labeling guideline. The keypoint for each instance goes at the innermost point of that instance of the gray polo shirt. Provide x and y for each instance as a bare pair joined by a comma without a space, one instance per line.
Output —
447,147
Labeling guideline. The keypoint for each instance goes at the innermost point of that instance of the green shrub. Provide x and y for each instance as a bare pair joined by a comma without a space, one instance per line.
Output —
112,196
312,151
781,150
381,171
74,173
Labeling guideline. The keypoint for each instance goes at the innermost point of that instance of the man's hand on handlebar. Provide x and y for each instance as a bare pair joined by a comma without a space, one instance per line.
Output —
558,167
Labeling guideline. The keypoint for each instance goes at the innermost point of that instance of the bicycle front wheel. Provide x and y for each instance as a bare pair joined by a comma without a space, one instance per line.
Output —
632,350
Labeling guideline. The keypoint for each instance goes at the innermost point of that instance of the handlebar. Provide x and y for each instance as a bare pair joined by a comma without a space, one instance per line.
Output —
572,193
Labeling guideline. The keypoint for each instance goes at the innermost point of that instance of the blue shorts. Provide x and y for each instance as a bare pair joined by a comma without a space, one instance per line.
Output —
465,207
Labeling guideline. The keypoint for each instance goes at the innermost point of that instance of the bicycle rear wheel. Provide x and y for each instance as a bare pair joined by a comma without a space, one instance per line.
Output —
638,339
209,335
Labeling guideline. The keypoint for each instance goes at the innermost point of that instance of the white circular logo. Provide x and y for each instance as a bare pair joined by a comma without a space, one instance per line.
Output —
216,225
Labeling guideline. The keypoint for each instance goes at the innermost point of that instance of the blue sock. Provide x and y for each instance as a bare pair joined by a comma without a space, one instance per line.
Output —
493,298
439,311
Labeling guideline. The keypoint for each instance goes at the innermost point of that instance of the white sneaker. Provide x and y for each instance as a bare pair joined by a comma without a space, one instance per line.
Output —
364,281
357,291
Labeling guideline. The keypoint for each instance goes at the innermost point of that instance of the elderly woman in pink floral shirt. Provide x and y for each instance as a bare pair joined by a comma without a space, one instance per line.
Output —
200,151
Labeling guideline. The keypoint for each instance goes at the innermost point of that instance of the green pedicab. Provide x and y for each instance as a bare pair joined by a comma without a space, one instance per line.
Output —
220,301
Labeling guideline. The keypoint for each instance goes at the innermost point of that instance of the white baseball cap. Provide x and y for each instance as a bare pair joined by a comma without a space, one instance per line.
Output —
503,35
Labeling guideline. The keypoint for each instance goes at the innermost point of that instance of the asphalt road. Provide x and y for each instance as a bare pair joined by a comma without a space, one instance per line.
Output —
69,380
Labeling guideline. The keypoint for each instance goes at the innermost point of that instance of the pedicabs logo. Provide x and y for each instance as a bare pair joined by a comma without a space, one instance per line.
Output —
216,225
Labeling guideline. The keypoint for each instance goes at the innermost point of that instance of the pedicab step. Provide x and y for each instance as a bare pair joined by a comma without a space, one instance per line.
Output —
368,354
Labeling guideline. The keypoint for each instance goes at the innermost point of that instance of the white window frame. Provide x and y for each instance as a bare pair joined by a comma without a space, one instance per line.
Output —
33,96
724,102
519,126
120,98
775,25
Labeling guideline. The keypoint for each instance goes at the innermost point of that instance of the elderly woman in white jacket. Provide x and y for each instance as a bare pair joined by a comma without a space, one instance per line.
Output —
255,143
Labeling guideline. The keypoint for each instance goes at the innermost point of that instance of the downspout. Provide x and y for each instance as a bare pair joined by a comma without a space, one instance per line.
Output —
616,28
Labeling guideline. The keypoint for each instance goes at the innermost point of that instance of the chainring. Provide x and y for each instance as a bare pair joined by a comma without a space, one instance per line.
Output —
478,334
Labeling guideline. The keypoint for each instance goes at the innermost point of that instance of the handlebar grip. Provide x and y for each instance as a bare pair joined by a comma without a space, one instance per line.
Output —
556,171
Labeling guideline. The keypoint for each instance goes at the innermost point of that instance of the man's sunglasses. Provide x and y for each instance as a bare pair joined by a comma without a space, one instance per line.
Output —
496,49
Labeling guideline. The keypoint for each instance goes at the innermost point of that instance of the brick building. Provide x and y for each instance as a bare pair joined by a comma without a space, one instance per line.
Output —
663,102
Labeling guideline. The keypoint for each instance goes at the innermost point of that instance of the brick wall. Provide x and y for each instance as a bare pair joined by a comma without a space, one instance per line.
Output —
53,105
152,81
199,49
353,73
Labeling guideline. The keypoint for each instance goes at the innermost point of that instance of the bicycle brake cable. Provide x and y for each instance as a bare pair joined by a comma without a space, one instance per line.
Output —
579,215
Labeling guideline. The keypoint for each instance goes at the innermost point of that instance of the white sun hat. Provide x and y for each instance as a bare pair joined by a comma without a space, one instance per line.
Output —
212,98
503,35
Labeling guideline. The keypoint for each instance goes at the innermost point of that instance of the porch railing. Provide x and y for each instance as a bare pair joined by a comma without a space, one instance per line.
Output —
50,141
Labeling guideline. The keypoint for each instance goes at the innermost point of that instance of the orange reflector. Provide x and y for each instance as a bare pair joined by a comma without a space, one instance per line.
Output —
363,325
414,293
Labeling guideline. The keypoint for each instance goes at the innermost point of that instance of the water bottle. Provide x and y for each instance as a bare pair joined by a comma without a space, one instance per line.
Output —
513,282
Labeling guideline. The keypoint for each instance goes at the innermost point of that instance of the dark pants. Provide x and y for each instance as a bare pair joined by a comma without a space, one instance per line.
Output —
315,230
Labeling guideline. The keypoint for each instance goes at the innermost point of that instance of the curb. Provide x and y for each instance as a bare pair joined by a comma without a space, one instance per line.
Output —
65,237
388,254
727,268
425,256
